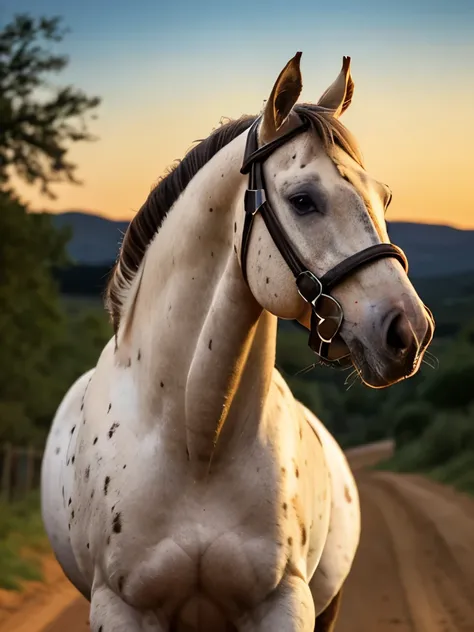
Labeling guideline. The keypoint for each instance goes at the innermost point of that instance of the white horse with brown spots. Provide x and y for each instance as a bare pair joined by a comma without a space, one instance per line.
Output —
183,486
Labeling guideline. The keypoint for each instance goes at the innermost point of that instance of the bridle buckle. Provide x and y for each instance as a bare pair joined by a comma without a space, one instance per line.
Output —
254,200
309,287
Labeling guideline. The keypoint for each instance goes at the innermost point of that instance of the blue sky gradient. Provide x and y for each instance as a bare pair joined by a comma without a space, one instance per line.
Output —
179,66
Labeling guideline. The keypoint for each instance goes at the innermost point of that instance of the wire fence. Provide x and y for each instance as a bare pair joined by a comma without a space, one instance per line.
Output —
20,470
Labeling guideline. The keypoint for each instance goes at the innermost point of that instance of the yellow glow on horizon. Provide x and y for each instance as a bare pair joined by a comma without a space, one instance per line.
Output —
416,145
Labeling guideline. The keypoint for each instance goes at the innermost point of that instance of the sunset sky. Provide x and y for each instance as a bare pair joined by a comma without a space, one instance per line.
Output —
168,71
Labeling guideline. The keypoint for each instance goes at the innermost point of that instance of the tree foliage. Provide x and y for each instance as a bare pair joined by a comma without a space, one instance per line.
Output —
37,121
43,346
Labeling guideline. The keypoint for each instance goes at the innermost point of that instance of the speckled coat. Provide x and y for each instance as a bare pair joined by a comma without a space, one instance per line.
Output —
183,486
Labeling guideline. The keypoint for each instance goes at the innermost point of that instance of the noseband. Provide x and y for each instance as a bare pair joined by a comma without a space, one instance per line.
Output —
326,313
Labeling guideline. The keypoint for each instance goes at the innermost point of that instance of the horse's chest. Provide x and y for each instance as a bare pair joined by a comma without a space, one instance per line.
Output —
167,544
225,566
179,541
164,540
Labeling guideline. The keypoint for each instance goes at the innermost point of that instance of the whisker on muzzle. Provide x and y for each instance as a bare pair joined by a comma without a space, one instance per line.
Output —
352,378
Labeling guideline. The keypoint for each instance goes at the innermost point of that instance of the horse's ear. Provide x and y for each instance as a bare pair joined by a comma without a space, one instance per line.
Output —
338,96
283,97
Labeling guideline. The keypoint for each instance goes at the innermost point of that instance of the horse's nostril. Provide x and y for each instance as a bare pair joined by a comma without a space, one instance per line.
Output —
399,335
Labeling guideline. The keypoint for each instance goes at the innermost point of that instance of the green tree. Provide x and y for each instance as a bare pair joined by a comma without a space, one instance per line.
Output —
37,121
40,352
31,317
412,421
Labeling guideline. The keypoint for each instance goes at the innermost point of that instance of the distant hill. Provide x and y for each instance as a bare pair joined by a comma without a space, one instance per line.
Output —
432,250
95,239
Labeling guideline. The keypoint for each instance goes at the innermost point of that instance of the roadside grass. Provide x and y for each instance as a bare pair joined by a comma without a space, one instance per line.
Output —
457,470
22,541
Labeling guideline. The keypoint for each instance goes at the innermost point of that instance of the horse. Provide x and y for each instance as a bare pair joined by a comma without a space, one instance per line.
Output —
183,486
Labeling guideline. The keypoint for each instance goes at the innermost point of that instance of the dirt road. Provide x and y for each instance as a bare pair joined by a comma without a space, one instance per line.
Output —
414,571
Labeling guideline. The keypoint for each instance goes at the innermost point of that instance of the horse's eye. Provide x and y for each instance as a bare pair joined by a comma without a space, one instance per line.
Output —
303,204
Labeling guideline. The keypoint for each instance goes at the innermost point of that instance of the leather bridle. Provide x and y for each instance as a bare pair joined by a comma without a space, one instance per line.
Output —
326,313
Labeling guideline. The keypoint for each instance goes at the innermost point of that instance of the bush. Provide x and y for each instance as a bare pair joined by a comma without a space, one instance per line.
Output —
452,387
458,471
448,436
22,539
411,422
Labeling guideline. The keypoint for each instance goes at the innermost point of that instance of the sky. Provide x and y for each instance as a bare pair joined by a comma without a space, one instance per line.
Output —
168,71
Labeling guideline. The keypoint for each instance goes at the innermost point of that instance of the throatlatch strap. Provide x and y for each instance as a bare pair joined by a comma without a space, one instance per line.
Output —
255,197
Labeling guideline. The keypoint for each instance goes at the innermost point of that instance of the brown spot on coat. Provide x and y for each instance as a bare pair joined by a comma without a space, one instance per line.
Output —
117,524
112,430
304,536
106,485
347,494
210,344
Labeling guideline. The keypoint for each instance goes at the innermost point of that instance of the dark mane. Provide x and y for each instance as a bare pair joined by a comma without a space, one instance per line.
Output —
151,215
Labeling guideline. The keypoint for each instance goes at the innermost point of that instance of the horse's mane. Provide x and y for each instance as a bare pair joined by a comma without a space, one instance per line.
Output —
151,215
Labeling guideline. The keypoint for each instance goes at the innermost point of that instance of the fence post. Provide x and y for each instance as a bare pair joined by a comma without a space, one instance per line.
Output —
30,468
6,471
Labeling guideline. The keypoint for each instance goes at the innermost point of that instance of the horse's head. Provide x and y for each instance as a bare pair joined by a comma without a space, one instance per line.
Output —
321,209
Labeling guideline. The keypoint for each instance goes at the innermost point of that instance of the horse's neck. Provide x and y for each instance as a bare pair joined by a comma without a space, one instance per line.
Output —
206,348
